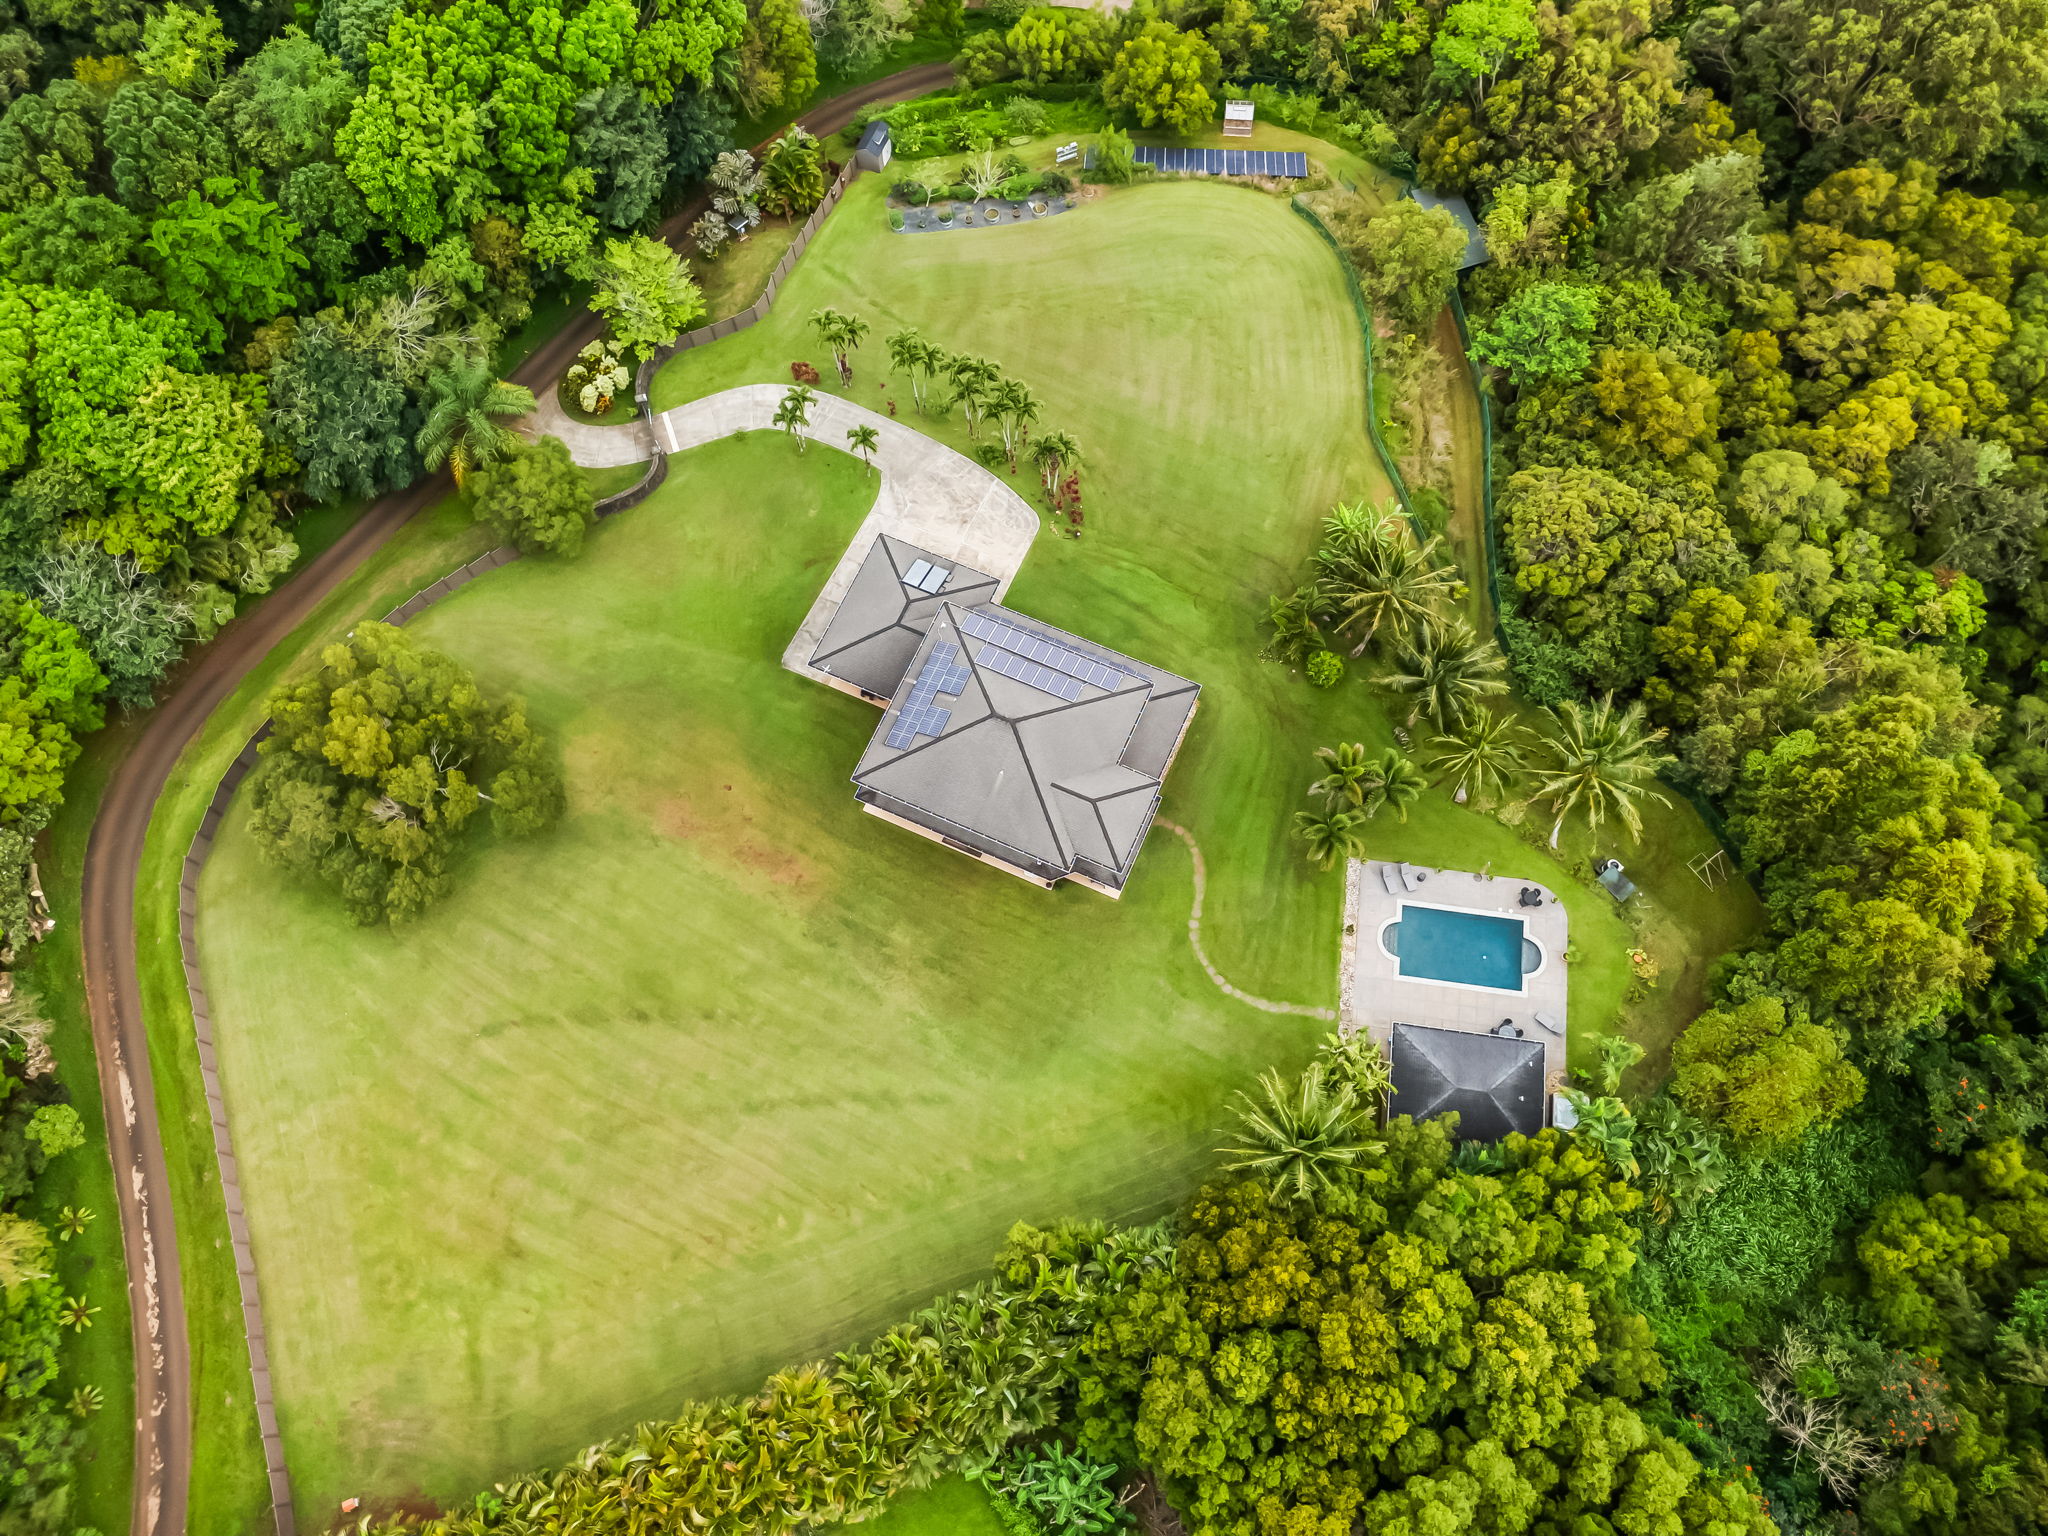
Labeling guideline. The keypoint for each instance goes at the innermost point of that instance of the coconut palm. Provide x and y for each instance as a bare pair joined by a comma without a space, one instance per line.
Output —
1374,576
465,400
1599,761
974,381
864,440
1057,455
1299,1141
793,415
842,333
1481,755
1345,782
910,353
1015,408
1332,833
1392,780
1448,669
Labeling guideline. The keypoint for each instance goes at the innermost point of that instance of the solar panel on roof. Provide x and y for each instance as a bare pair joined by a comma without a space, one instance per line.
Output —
919,569
934,578
1044,679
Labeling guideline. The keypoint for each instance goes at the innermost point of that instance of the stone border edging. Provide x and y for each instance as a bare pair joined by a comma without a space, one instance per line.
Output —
1264,1004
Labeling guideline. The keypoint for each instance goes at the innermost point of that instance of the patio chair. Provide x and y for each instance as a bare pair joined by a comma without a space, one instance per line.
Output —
1545,1021
1390,880
1411,877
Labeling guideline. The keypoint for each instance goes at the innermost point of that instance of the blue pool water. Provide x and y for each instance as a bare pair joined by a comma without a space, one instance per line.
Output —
1475,948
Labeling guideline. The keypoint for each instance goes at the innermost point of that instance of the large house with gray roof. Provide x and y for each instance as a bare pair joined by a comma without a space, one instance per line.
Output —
1019,744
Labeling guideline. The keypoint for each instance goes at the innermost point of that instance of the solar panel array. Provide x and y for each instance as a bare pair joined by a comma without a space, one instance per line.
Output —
943,672
1010,664
925,576
1225,162
1051,656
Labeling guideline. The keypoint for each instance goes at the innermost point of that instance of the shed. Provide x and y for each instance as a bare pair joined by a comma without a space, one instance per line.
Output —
875,147
1237,119
1493,1082
1475,237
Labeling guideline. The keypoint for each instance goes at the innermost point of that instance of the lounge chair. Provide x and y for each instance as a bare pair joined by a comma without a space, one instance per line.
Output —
1390,880
1545,1021
1411,877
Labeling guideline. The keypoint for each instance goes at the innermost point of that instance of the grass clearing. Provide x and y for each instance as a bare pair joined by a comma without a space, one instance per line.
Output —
950,1507
724,1074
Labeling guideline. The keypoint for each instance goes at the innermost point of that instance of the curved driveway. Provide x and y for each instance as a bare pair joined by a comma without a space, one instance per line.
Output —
113,862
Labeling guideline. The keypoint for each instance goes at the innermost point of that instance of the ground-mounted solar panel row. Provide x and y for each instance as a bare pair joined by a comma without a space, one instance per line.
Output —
1224,162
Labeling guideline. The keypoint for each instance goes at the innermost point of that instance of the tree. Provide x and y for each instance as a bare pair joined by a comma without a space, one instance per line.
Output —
910,353
1332,834
974,381
1478,38
778,63
1057,454
1889,865
842,333
1015,408
56,1129
942,18
1164,75
464,400
698,125
1599,760
1698,222
283,107
1296,1142
1763,1071
1449,670
229,255
619,139
537,498
49,145
793,414
644,290
130,626
1115,157
184,47
864,440
1544,332
84,242
735,185
48,689
708,233
1408,258
1363,783
793,173
1482,755
377,762
1372,576
160,145
1935,80
344,415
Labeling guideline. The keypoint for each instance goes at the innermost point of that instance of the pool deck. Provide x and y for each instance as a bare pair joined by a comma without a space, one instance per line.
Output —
1374,996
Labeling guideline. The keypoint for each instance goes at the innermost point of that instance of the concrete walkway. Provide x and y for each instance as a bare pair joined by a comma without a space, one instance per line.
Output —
929,495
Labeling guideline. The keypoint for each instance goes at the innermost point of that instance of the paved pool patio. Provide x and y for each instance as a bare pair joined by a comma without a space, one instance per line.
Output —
1374,996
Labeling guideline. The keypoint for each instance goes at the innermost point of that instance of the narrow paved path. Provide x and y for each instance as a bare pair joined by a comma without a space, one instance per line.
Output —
113,862
1264,1004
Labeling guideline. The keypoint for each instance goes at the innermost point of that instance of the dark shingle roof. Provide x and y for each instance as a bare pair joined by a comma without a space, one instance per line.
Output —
880,621
1493,1082
1066,786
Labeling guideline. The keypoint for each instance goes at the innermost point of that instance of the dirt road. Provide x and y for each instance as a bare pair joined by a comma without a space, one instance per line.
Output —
113,862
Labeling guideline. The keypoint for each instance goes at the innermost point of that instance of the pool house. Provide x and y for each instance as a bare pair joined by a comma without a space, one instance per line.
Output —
1460,978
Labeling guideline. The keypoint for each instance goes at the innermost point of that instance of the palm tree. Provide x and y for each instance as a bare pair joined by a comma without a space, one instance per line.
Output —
1296,633
1374,575
1357,1060
1299,1142
1332,833
465,400
911,354
1015,409
974,380
1601,759
1607,1126
1449,670
1057,454
864,440
794,413
842,333
1392,780
1481,755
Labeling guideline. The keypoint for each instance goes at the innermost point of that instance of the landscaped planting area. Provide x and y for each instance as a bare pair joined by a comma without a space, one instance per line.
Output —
722,1073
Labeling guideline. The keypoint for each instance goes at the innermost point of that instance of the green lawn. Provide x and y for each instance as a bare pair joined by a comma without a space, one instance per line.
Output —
723,1073
954,1507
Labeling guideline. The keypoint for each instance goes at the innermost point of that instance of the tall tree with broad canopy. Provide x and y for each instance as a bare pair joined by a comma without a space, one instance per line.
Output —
644,289
1166,76
379,761
538,499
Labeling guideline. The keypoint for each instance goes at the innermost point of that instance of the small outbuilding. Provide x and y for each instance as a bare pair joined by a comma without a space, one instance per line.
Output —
1237,119
875,147
1494,1082
1475,237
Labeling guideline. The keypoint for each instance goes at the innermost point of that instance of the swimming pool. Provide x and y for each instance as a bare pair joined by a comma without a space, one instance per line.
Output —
1461,948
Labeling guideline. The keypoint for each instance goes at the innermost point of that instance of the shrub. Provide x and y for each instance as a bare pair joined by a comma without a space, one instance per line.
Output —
960,192
1017,188
1025,115
803,373
1005,14
1325,669
946,214
911,191
538,499
895,218
597,377
1057,182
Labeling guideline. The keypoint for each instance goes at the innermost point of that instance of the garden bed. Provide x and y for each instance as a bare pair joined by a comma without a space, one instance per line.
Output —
982,213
